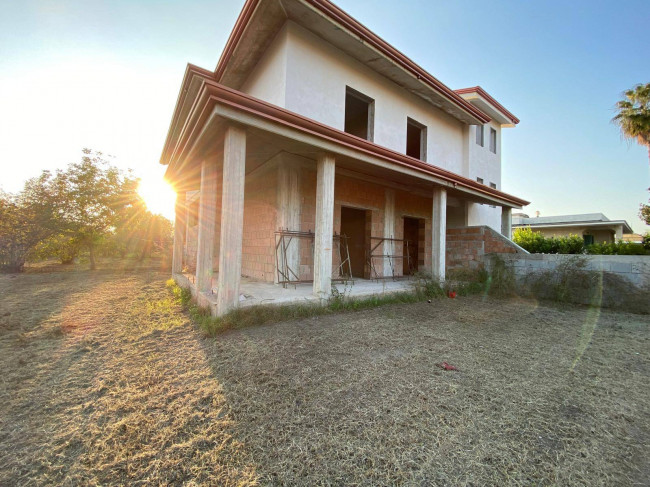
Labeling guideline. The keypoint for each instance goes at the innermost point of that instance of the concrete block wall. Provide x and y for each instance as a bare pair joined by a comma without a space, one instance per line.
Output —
258,242
466,247
634,268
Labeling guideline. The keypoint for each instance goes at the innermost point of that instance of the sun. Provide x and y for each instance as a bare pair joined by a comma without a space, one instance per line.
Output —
158,195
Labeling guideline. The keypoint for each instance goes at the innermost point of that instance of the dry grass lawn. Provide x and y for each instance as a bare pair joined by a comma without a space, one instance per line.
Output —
104,381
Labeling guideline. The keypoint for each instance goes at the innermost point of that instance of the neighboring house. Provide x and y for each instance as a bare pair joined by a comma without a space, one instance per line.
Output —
592,227
633,238
311,127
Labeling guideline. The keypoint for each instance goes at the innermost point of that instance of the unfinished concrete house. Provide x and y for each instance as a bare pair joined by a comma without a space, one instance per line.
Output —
316,154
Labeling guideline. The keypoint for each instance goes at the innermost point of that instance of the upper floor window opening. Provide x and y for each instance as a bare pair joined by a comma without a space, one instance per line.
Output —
480,130
359,114
416,139
493,140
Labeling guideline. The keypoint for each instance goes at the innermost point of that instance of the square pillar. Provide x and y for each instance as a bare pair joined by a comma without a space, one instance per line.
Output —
188,220
207,217
180,224
506,222
439,233
324,226
389,229
618,234
232,219
288,201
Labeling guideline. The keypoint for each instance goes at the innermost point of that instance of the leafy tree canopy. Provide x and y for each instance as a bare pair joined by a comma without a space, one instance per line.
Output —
633,115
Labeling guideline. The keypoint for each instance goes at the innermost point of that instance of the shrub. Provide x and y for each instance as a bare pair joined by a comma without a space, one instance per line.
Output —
618,248
536,243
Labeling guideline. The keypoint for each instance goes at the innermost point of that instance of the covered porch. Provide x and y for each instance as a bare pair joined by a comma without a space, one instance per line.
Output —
254,292
273,207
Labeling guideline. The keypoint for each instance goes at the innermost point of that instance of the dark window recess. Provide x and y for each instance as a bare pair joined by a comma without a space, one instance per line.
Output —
479,134
416,140
359,114
493,140
589,239
479,180
493,186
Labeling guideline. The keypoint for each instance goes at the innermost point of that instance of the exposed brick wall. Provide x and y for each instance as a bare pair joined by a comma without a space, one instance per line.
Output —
260,208
356,193
467,246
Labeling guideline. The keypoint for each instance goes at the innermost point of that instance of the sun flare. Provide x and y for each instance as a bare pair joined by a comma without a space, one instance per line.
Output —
159,196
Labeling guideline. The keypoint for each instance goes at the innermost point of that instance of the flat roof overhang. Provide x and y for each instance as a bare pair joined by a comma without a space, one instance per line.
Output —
480,98
611,223
279,129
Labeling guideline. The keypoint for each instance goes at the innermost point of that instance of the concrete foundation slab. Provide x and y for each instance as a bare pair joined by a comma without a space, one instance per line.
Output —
253,292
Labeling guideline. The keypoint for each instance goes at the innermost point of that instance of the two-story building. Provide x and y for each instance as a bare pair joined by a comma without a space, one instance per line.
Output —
316,151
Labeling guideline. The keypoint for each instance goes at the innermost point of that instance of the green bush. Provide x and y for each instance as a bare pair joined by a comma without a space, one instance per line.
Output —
618,248
536,243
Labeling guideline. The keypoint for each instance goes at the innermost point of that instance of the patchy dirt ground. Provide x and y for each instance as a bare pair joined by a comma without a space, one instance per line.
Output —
104,381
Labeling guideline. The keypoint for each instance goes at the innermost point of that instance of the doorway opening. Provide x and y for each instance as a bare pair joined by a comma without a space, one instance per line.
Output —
413,251
355,224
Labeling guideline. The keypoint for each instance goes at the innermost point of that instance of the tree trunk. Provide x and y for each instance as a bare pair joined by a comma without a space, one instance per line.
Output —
91,250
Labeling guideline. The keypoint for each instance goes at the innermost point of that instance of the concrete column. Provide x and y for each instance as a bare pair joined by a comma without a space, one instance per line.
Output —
506,222
188,219
289,207
207,217
324,226
439,233
180,222
232,219
618,233
389,229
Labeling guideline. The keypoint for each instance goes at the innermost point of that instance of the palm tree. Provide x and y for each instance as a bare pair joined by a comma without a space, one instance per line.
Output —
633,116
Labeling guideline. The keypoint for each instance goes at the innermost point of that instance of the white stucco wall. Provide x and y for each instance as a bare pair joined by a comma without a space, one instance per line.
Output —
268,81
317,76
307,75
485,164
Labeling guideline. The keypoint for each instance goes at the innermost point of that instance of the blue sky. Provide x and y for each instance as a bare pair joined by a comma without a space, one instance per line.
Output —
106,75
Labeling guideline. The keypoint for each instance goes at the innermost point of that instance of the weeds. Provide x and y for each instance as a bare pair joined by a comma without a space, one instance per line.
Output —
424,288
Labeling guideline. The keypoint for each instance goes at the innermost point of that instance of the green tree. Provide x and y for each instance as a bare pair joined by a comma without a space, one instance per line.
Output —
25,220
644,212
91,195
633,115
59,245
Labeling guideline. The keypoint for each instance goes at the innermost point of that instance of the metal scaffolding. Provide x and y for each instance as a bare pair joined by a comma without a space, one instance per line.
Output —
391,257
288,275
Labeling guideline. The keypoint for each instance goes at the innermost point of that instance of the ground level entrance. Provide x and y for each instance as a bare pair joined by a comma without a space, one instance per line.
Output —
354,225
413,248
